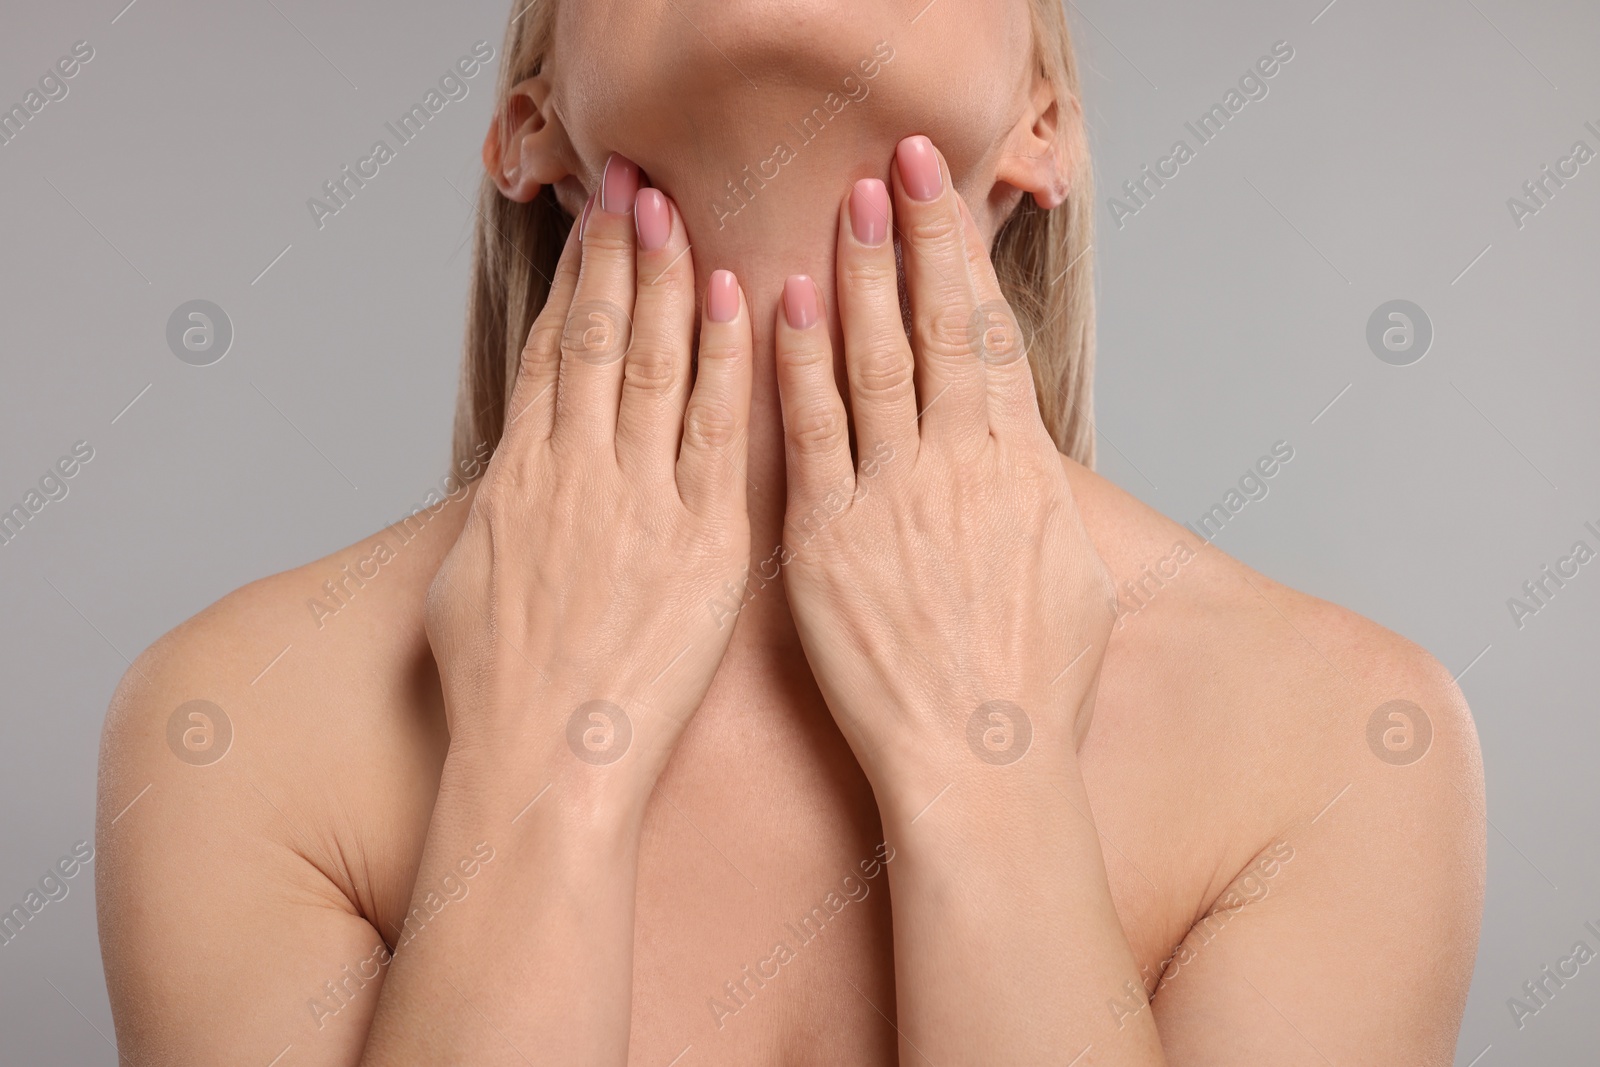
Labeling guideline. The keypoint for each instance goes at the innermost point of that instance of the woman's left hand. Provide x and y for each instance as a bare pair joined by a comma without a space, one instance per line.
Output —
950,602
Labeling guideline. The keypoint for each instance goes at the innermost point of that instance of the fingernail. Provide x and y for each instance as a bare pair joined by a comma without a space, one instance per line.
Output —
869,211
619,184
722,297
583,220
800,302
919,168
653,219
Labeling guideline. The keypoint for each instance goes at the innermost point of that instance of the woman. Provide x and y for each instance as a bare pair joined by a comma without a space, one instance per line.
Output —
786,689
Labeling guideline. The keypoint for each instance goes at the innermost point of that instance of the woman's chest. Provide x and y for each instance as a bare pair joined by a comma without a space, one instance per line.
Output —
763,929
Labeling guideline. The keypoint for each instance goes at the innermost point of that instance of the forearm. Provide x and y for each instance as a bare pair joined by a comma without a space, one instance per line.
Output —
1007,946
490,978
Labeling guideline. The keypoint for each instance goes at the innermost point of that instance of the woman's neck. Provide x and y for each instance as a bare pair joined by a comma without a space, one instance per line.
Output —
765,231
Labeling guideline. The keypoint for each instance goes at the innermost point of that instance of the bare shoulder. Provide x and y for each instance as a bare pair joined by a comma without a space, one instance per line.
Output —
267,770
292,707
1285,716
311,651
1317,792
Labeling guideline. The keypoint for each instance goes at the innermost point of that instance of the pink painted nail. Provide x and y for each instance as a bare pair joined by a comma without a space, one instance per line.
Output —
618,184
722,297
653,219
869,211
919,168
800,302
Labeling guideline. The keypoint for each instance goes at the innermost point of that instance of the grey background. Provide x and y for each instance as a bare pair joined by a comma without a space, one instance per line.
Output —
1233,310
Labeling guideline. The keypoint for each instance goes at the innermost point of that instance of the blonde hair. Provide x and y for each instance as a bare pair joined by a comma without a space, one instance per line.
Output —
1042,259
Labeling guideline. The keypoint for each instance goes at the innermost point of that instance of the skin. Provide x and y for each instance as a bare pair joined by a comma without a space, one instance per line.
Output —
1198,812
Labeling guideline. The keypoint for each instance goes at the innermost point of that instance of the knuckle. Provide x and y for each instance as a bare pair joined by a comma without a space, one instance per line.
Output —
710,425
806,357
500,497
603,241
541,351
882,374
649,371
720,350
936,227
816,429
596,331
946,332
995,334
867,274
676,276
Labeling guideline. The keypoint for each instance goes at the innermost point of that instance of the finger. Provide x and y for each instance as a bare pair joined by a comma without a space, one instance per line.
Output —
815,433
716,423
533,393
600,321
878,364
949,374
1008,373
655,375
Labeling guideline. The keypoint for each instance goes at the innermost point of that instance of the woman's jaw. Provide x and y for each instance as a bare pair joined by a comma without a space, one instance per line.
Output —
757,116
766,213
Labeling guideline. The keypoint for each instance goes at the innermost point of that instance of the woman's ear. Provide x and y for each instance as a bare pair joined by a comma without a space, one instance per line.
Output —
526,147
1039,153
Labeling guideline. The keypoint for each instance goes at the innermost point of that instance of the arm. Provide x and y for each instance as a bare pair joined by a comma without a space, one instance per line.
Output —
573,644
223,926
558,621
1007,946
955,614
1353,937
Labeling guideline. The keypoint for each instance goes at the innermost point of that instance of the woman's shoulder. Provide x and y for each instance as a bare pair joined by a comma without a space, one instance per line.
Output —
308,627
1194,600
315,679
267,771
1296,695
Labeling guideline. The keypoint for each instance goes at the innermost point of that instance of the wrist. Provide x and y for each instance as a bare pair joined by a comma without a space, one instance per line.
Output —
966,794
522,781
992,746
988,831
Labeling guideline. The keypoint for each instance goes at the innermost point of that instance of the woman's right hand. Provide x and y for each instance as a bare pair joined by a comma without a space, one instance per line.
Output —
570,621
